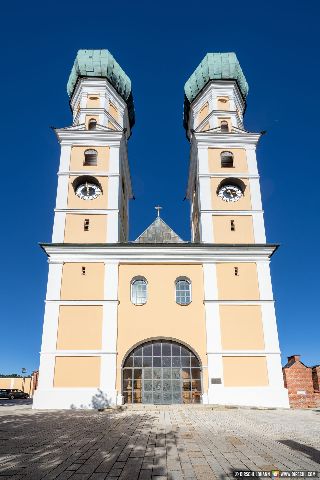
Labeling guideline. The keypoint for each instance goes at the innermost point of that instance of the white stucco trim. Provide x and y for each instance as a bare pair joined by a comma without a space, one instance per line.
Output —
54,280
58,227
270,330
255,194
65,157
206,227
252,160
264,280
62,191
72,398
249,396
259,232
113,227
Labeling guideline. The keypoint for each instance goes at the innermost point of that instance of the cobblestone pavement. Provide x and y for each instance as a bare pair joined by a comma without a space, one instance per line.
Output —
172,443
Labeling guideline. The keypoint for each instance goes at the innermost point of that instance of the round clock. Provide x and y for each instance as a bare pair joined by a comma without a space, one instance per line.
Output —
88,191
230,193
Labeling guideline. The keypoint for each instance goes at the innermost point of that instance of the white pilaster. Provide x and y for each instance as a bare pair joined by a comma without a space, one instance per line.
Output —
264,280
58,227
54,280
65,157
215,367
62,191
252,160
203,160
259,232
270,331
255,194
109,332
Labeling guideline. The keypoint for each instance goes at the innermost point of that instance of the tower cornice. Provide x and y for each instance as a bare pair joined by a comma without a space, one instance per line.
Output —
83,137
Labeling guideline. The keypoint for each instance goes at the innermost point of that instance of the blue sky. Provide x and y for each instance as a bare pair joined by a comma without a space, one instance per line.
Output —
159,44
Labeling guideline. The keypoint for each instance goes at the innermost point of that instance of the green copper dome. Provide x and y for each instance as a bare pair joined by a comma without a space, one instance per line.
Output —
100,63
214,66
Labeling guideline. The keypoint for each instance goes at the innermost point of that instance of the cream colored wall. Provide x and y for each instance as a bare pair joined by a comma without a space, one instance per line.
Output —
241,327
244,203
113,111
245,371
243,232
18,383
77,372
223,105
88,117
161,316
203,113
74,228
75,286
77,159
100,202
80,327
242,287
239,160
93,101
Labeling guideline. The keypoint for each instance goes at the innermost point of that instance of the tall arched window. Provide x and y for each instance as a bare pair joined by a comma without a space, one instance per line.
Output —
90,157
183,291
226,159
224,126
139,291
92,124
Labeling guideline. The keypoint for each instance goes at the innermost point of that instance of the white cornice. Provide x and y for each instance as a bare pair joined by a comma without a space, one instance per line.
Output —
235,140
96,173
92,137
180,253
94,211
227,175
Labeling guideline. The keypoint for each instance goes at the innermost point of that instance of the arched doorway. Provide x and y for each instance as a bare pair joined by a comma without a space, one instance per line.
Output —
161,372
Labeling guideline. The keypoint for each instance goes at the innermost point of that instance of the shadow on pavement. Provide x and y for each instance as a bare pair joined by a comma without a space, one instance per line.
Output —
47,444
311,452
4,402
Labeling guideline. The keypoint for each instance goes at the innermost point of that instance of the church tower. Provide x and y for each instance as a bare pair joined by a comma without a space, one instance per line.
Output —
226,213
93,192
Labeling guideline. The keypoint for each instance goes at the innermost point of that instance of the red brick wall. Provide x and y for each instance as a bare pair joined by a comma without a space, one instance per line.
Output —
298,378
316,377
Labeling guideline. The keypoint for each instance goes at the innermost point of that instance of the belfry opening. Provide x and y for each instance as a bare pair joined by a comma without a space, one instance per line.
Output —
161,372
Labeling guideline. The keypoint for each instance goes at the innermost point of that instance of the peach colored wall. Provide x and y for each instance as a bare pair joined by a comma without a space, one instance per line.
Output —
243,232
241,327
161,316
76,286
77,159
245,371
74,228
244,203
80,327
239,160
243,286
113,111
89,117
110,125
223,103
93,101
77,372
203,113
100,202
19,383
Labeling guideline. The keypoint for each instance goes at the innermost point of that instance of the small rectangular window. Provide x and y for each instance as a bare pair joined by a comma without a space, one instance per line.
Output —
86,225
83,270
232,225
236,271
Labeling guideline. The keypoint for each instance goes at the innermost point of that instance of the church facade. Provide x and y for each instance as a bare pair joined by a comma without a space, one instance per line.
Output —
158,320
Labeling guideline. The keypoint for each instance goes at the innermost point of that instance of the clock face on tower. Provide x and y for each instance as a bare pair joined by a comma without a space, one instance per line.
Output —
88,191
230,193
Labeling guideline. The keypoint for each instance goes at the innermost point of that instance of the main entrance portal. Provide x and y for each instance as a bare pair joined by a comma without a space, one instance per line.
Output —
161,372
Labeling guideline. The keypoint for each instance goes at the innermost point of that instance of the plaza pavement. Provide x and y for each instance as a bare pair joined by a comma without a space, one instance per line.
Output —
170,442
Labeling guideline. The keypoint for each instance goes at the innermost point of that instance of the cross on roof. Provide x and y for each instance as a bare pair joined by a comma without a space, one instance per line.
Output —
158,208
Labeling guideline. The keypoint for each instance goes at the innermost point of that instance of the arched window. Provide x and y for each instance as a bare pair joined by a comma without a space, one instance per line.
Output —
139,291
224,126
92,124
226,159
90,157
183,291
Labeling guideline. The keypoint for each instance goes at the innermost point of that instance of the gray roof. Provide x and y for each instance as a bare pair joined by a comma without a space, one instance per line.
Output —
159,232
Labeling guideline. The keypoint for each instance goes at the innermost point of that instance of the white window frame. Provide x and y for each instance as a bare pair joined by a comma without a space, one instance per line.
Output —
136,279
179,279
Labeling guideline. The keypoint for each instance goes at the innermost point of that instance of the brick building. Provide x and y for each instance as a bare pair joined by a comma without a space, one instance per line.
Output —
302,383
